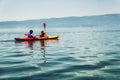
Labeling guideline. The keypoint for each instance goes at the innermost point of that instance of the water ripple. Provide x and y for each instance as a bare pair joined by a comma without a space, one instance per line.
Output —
77,55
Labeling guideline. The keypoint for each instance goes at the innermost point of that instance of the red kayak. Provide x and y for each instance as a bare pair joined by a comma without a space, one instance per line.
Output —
40,38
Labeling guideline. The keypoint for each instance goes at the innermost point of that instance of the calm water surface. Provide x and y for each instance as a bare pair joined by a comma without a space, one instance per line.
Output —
79,54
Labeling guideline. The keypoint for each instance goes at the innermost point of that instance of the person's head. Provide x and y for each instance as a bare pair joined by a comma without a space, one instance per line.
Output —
42,31
31,31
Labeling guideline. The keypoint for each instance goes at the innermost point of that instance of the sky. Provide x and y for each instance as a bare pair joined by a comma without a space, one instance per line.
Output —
18,10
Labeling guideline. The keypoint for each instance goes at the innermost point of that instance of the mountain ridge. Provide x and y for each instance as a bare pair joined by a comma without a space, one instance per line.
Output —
72,21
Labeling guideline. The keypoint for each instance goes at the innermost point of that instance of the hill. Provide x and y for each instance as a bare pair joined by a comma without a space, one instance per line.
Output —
85,21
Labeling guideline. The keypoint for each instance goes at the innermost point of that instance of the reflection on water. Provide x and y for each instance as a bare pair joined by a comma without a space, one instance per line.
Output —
36,46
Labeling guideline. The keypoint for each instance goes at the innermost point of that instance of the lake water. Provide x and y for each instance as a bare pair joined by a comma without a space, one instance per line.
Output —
79,54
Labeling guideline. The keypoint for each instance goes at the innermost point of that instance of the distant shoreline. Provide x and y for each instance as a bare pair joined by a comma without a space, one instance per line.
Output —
84,21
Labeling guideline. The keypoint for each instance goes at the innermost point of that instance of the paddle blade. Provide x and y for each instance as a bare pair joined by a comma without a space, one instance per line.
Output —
25,35
44,25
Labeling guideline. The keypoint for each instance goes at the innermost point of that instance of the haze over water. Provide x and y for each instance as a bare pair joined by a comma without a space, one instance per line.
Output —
84,53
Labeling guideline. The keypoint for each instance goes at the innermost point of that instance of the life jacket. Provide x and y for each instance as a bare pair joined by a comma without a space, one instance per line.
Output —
30,35
42,34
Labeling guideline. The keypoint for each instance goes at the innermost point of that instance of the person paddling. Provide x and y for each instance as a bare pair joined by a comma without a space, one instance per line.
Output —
42,34
30,34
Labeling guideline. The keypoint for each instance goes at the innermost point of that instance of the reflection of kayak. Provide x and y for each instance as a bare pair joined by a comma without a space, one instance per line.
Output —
37,38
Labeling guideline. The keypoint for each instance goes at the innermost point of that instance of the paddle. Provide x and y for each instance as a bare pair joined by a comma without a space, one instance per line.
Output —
25,35
44,25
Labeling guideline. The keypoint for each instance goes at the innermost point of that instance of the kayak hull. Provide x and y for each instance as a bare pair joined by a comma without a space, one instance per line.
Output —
37,38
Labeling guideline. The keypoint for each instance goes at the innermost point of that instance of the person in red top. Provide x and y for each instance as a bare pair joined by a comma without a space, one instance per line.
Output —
42,34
